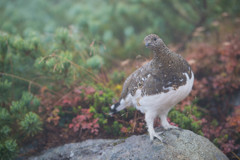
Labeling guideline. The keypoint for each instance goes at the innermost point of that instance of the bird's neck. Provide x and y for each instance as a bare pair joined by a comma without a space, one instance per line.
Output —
161,52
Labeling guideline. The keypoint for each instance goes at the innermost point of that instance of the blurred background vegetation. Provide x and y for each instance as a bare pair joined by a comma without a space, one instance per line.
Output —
62,64
120,26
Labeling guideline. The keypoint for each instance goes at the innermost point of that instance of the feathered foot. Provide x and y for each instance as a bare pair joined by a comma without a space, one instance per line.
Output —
149,118
165,123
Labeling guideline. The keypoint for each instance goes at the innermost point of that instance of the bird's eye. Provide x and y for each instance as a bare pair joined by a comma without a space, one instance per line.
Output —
154,38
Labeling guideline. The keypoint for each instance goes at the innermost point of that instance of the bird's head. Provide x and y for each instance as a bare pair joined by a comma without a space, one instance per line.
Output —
153,42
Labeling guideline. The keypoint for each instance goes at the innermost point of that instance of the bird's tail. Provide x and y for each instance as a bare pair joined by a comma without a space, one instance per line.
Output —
117,107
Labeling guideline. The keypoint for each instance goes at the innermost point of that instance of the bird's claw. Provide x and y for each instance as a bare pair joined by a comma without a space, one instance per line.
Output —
156,135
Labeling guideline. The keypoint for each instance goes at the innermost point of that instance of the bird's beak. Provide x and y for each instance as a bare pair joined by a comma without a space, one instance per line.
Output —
147,44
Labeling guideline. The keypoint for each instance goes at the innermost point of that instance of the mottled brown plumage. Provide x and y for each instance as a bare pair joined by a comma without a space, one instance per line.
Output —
163,71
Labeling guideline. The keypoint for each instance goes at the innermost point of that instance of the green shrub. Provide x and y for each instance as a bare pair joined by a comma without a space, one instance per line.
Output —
114,129
95,62
16,122
31,124
8,149
101,100
189,118
117,77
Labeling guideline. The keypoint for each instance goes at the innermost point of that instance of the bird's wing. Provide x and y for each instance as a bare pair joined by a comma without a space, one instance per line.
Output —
136,80
154,84
125,89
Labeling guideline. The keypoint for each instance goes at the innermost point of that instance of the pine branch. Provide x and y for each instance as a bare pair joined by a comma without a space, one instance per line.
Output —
92,75
26,80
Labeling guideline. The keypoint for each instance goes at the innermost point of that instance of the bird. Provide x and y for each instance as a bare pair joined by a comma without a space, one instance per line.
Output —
156,87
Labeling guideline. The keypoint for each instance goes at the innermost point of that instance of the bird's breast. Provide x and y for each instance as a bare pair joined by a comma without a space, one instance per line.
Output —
164,100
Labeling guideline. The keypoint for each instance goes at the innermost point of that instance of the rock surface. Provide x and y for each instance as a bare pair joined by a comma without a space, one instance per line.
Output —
177,144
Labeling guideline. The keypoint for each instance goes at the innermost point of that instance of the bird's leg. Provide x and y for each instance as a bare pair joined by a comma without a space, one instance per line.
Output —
165,123
149,118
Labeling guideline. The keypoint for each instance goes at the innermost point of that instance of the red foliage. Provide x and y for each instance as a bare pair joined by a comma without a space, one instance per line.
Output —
89,90
220,135
217,77
217,69
85,121
229,146
54,117
124,130
211,131
75,97
233,120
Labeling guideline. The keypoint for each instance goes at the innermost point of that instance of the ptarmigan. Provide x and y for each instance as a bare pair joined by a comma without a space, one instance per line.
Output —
157,86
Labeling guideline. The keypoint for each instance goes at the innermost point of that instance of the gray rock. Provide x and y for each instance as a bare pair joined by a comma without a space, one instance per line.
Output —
178,144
